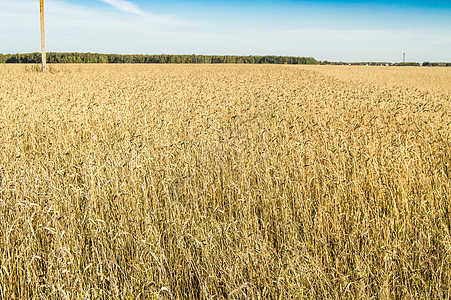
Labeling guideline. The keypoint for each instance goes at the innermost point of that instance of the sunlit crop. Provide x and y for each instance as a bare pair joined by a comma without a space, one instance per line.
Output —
224,182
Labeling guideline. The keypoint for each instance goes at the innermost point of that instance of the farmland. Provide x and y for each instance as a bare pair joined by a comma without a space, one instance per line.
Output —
224,181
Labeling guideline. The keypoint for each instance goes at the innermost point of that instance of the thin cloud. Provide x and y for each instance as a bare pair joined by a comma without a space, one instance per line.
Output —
130,7
125,6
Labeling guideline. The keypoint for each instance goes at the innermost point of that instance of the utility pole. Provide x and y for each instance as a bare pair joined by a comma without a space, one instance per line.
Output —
404,58
43,37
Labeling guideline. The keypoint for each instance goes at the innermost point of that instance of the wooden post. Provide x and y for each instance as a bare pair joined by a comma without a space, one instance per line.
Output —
43,37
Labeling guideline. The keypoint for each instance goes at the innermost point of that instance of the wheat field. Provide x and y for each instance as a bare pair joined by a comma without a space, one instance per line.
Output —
225,182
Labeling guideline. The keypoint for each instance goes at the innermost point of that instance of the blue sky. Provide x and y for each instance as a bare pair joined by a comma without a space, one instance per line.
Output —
350,30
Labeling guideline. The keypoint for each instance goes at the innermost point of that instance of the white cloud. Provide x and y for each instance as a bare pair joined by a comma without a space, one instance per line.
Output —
125,6
77,27
131,8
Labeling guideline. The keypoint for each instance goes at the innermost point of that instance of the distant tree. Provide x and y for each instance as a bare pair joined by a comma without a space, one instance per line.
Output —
75,57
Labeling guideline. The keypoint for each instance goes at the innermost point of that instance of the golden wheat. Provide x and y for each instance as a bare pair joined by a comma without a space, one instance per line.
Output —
225,181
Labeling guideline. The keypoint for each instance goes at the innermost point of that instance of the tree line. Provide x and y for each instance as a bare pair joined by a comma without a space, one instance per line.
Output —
370,63
74,57
436,64
404,64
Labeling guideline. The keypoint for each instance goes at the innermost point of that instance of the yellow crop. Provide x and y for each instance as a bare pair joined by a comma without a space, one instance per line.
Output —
224,181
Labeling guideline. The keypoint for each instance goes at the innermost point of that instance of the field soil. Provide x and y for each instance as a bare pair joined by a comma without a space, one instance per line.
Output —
225,182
